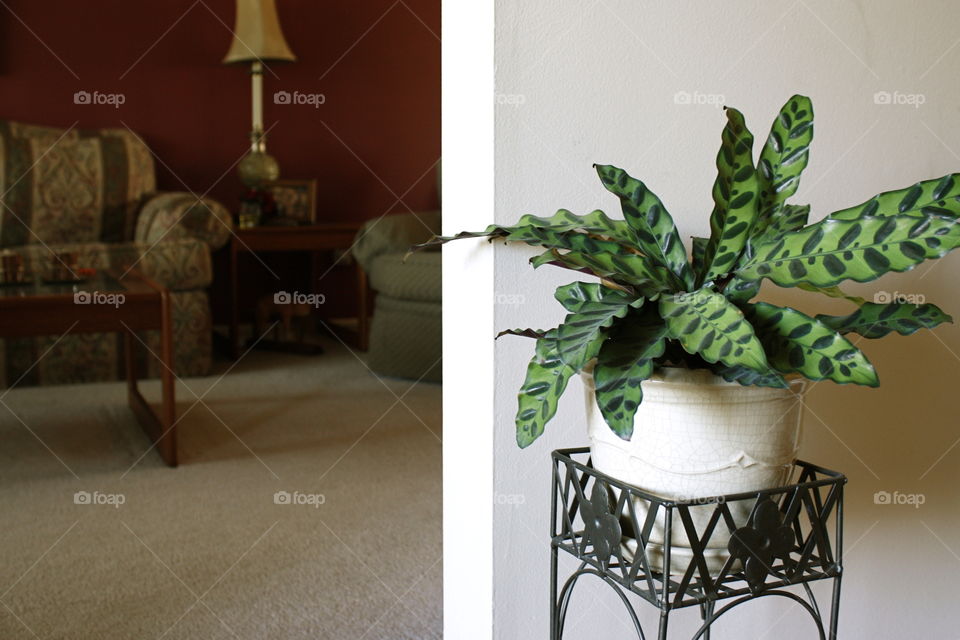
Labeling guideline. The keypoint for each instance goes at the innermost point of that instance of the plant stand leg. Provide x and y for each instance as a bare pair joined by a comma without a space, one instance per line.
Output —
706,613
554,605
664,619
834,608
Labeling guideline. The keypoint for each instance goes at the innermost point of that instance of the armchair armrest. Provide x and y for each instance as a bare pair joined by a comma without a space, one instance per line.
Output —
179,215
394,233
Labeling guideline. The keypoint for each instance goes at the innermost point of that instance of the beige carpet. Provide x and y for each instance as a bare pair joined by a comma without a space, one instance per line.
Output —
203,551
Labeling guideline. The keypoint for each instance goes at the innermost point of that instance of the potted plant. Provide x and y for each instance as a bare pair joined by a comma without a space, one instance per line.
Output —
693,386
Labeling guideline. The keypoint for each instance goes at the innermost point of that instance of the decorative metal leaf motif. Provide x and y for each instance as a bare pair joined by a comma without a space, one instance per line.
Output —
593,308
626,359
644,212
707,324
938,196
547,378
784,157
831,251
873,320
735,199
798,343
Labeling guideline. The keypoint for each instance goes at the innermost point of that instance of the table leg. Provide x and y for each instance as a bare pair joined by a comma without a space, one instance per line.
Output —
234,313
363,314
160,426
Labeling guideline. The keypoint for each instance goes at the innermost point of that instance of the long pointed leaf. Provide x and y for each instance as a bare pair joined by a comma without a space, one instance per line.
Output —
873,320
706,323
547,378
798,343
938,196
831,251
593,308
629,269
539,230
625,361
735,199
645,213
784,157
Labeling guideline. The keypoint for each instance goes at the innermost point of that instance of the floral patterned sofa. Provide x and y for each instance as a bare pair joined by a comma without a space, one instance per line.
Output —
94,193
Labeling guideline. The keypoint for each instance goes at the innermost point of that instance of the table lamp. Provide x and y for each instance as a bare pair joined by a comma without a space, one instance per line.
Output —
257,37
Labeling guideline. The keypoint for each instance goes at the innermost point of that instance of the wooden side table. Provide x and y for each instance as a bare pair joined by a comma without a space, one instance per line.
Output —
312,239
112,301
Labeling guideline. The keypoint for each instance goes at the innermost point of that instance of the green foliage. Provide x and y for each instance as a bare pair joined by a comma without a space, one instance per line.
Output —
654,308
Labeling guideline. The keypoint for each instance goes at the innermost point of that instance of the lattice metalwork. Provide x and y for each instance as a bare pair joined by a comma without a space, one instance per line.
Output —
723,551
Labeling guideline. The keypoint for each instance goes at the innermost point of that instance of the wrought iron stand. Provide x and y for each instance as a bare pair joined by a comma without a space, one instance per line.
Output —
732,549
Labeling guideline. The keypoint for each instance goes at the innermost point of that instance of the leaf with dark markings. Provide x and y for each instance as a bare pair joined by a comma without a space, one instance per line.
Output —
874,320
735,200
708,325
656,233
797,343
626,359
831,251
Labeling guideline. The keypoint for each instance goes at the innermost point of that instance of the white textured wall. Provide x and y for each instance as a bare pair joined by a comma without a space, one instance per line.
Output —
583,81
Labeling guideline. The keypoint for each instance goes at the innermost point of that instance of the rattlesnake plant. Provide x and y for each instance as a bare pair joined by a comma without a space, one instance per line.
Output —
653,306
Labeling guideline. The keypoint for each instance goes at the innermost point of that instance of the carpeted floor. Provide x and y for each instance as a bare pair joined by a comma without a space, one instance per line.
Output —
203,551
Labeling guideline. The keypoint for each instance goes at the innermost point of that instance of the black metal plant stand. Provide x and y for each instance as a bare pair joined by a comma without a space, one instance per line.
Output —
785,541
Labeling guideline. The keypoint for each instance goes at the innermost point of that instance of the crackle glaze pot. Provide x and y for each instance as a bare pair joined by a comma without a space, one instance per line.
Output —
696,435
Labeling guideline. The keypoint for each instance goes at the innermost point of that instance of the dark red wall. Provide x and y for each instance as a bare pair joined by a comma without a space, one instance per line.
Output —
380,69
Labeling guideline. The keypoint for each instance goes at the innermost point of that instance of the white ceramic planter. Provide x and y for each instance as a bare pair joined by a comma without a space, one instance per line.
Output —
696,435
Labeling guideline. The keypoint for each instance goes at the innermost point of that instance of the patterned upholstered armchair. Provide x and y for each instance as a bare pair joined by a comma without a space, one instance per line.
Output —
94,193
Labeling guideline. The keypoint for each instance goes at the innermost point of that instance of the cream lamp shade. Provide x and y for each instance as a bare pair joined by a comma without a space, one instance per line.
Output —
257,34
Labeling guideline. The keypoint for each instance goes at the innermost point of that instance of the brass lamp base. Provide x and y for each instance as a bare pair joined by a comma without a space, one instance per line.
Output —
258,168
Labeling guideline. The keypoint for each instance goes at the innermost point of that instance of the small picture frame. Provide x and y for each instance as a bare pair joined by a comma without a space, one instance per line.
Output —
296,200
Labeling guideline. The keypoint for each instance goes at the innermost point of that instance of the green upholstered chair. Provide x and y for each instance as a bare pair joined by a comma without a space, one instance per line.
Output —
405,333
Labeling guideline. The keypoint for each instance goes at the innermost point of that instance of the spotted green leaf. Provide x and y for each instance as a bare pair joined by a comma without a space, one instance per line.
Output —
874,320
654,228
749,377
788,218
547,378
699,249
784,157
735,199
564,224
798,343
831,251
626,359
707,324
631,270
593,308
937,196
